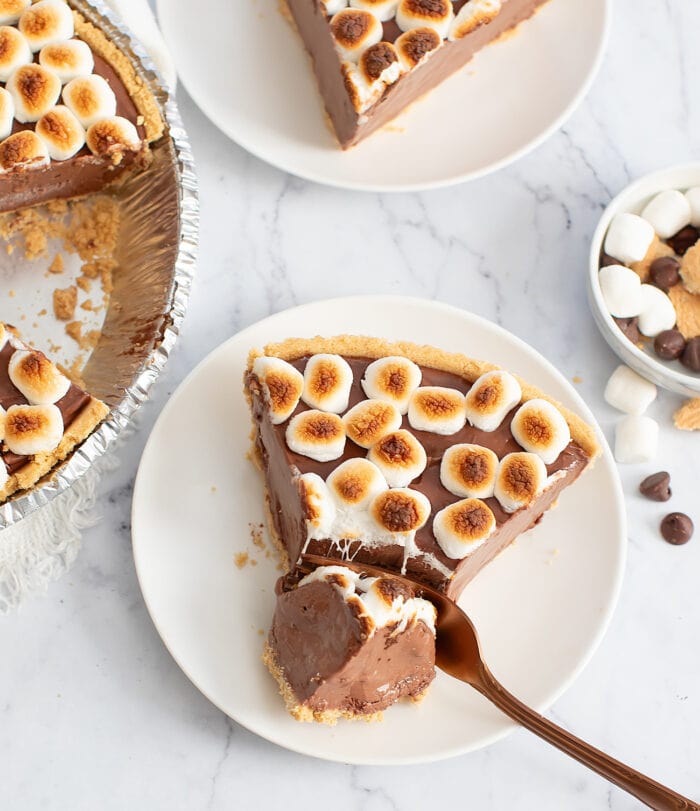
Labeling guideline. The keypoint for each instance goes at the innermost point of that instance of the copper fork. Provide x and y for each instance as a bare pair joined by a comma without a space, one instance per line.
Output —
458,654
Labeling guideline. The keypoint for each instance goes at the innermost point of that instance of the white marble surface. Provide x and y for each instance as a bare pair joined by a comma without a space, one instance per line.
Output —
94,714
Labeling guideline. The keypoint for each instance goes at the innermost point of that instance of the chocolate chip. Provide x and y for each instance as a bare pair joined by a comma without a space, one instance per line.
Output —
691,355
677,528
606,260
657,486
664,272
684,239
630,328
669,344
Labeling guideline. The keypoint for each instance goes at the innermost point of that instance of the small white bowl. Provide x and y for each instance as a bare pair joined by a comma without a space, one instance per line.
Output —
668,374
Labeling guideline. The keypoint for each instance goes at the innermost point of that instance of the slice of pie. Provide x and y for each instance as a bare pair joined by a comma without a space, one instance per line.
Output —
375,57
43,416
75,117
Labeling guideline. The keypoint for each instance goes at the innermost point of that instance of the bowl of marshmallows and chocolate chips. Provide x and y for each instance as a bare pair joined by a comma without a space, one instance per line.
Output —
644,280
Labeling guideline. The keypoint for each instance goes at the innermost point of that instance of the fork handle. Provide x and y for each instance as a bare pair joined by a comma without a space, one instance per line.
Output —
639,785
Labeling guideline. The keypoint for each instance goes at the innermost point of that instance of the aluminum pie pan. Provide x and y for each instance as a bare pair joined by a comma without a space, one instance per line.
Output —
157,255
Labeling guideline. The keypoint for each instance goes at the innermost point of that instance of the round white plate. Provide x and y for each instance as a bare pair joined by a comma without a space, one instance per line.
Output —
247,69
540,608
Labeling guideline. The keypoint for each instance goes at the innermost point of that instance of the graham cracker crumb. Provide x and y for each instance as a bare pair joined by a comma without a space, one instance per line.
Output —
240,559
11,293
84,283
576,379
74,330
687,418
87,305
57,265
64,302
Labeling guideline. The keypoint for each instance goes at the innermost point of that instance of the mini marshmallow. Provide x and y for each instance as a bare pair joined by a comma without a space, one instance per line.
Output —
437,409
35,90
393,379
473,15
334,6
462,527
62,133
693,198
327,383
31,429
36,377
7,113
636,439
370,420
344,579
22,151
282,386
490,398
539,427
68,60
435,14
354,30
379,66
46,22
383,10
416,45
521,477
11,10
90,98
629,238
316,434
400,457
621,289
14,52
668,212
629,392
319,507
400,510
355,482
469,471
111,137
657,313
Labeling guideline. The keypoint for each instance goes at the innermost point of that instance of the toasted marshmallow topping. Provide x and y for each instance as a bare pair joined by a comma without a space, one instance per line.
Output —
62,133
354,30
36,377
437,409
327,383
473,15
400,510
316,434
379,65
520,478
7,113
370,420
382,9
469,471
14,51
31,429
540,428
46,22
462,527
90,98
111,137
319,506
23,150
354,483
11,10
400,457
4,335
415,45
282,386
393,379
68,60
334,6
435,14
3,417
35,90
490,398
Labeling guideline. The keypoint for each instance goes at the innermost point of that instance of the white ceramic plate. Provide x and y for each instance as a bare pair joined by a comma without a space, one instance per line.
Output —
246,68
541,607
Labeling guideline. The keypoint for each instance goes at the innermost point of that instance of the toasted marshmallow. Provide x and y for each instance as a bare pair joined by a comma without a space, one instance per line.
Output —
90,98
4,335
282,386
693,198
334,6
7,113
657,313
3,417
354,30
35,90
319,507
636,439
14,51
327,383
111,137
379,66
68,60
400,457
355,482
344,579
31,429
316,434
473,15
400,510
469,471
416,45
62,132
393,379
629,392
621,289
462,527
539,427
11,10
36,377
23,150
383,10
490,398
46,22
437,409
435,14
668,212
629,238
370,420
521,476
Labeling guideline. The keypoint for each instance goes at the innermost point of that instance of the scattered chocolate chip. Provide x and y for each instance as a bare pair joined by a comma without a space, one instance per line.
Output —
657,486
664,272
629,328
677,528
669,344
691,355
606,260
684,239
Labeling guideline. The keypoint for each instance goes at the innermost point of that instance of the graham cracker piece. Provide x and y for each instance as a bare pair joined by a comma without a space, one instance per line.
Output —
64,302
656,250
687,418
687,310
690,269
